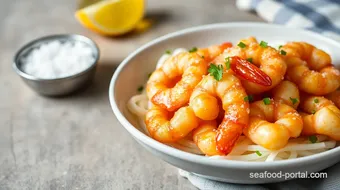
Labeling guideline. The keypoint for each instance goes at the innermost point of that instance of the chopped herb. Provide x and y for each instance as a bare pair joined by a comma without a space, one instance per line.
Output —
216,71
280,46
263,44
192,50
241,45
250,60
258,153
313,112
140,89
266,101
316,100
313,139
249,98
227,63
168,52
149,75
202,56
294,100
282,52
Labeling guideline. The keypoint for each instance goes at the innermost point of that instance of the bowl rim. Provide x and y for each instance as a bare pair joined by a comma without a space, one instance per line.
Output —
189,157
71,37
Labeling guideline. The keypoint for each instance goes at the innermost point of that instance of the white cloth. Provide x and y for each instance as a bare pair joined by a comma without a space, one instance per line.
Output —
322,16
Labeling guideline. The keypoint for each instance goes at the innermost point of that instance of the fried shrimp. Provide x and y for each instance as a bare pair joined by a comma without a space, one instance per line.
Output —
288,93
246,102
205,137
334,97
288,124
272,123
211,52
267,58
229,90
171,85
205,106
311,68
321,117
164,129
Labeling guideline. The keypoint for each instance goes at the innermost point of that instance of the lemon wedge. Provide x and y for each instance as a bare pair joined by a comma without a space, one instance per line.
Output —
111,17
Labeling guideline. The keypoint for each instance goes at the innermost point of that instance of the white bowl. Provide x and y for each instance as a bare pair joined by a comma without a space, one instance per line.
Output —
133,72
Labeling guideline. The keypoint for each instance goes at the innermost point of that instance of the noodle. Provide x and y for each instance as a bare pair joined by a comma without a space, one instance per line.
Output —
293,154
138,105
272,156
244,149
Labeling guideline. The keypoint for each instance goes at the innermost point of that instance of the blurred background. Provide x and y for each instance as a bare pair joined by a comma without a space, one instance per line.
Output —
22,21
75,142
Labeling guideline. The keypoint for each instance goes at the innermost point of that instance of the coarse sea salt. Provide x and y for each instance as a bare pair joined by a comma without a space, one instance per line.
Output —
56,59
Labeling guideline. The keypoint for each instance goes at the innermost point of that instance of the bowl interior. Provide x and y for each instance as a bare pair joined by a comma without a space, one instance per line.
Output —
134,70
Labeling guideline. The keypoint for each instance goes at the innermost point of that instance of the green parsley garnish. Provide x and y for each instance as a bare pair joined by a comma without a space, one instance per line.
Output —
192,50
313,139
168,52
202,56
249,98
294,100
227,62
280,46
313,112
266,101
258,153
263,44
140,89
282,52
316,100
149,75
216,71
250,60
241,45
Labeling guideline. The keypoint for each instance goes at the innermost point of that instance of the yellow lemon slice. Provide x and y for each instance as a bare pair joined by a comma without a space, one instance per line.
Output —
111,17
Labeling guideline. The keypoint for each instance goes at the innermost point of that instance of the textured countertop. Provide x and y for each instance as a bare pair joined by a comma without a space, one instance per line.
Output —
75,142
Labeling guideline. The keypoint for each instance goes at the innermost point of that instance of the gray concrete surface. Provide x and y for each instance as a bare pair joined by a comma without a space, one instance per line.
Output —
76,142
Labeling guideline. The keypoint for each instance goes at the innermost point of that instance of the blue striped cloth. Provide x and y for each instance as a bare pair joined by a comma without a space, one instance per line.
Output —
322,16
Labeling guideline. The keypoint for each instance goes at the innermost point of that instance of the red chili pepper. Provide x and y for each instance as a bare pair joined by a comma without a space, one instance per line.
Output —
248,71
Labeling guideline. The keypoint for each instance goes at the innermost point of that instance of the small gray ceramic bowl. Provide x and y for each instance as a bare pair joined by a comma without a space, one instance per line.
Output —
140,63
58,86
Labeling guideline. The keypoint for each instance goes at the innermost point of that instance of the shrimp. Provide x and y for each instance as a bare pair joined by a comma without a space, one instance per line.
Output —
211,52
288,93
205,137
171,85
334,97
267,58
229,90
166,130
311,68
205,106
321,117
286,96
272,125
